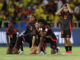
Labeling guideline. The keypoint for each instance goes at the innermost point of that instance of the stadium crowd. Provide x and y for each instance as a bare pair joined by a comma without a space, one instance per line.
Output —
20,10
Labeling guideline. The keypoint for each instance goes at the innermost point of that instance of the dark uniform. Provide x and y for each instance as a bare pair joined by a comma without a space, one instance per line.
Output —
66,24
52,38
12,33
37,35
27,35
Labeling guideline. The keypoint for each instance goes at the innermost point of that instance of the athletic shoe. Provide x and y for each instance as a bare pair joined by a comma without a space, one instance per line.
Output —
22,52
58,50
69,52
42,53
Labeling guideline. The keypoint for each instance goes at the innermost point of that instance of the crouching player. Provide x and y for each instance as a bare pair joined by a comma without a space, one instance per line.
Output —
11,39
47,35
35,49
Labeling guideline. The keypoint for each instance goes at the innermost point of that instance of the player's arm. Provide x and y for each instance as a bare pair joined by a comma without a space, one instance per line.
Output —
41,41
17,35
7,37
33,41
43,35
7,40
33,38
59,11
70,10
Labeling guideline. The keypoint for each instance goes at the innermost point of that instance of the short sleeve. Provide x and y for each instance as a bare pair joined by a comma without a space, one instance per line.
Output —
7,31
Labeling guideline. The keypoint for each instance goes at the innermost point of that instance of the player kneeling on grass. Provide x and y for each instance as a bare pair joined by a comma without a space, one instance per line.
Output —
35,49
67,15
11,33
47,35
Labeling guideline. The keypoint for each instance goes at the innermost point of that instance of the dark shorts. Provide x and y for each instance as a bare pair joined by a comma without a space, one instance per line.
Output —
66,33
19,42
53,42
28,40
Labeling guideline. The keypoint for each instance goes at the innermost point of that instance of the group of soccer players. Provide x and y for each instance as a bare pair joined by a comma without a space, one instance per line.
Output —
38,33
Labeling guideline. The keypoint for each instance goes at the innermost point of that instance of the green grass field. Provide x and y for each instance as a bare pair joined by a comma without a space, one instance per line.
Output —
74,56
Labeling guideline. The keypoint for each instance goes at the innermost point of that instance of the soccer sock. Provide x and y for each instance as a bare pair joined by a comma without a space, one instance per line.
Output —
66,48
70,48
42,49
22,47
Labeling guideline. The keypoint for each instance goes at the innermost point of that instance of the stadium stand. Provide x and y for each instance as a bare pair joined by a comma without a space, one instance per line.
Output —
20,10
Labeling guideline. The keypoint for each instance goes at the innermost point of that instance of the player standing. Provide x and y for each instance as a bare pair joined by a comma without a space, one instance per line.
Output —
67,15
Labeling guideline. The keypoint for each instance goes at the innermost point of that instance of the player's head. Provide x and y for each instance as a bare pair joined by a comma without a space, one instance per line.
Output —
41,22
32,18
65,9
37,25
10,24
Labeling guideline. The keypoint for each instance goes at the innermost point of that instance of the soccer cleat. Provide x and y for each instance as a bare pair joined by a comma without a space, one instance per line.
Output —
69,52
22,52
58,50
42,53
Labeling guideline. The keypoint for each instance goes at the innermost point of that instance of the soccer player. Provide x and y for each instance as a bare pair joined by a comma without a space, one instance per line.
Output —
35,49
27,35
67,15
11,33
46,34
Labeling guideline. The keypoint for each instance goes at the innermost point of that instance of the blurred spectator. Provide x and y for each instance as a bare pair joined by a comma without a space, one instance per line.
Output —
45,2
0,22
77,12
59,4
4,8
20,10
76,9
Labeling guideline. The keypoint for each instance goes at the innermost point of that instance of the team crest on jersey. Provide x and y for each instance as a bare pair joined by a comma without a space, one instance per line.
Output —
65,17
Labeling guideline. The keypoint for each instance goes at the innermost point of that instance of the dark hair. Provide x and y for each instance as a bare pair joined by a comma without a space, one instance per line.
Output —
42,21
34,17
66,4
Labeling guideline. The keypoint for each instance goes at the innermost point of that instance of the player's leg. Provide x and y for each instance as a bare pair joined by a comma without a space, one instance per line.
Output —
43,48
53,45
28,40
18,43
21,46
10,48
64,35
9,51
14,49
53,51
33,50
66,44
53,42
69,42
